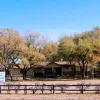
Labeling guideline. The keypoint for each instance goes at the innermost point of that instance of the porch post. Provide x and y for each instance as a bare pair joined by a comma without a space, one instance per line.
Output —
52,70
62,71
43,71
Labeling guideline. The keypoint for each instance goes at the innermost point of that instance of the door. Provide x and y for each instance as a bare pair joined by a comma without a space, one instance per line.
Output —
59,71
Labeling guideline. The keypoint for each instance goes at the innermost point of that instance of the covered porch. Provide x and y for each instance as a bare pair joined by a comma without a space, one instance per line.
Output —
53,72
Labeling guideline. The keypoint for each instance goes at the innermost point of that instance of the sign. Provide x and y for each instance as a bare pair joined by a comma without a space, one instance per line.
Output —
2,76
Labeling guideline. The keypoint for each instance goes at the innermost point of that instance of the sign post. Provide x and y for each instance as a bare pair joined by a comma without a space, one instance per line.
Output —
2,76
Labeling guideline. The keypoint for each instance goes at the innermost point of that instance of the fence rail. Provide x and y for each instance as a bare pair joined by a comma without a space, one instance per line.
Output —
44,88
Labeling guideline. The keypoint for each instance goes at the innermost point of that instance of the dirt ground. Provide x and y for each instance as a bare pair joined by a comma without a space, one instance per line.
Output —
51,97
92,81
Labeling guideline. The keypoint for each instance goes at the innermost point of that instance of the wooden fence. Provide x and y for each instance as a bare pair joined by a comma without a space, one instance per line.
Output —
60,88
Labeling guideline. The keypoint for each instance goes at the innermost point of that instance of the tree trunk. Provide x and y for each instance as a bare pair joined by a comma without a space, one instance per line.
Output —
86,71
23,71
83,69
99,74
24,76
83,73
73,71
11,76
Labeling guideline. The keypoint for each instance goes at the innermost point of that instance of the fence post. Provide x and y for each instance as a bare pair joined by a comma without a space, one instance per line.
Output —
33,91
82,90
25,89
42,88
0,89
53,89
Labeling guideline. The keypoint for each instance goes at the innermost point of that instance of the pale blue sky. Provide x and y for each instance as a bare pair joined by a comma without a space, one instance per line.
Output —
50,17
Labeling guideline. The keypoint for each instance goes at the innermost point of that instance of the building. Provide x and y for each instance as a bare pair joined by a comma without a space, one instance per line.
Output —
52,69
55,69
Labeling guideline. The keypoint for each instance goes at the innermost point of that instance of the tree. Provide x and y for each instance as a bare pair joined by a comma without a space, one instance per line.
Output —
50,51
66,48
11,46
34,40
87,49
82,57
66,51
31,58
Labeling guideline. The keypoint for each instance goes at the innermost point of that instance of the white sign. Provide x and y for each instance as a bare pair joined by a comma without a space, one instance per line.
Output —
2,76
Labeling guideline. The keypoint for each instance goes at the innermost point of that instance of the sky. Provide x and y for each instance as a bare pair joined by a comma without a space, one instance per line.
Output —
51,18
